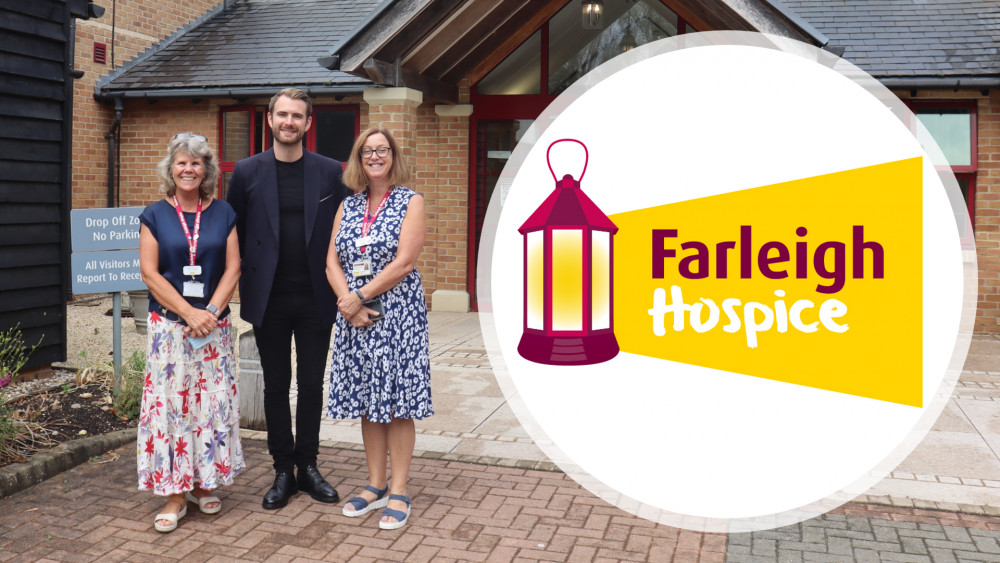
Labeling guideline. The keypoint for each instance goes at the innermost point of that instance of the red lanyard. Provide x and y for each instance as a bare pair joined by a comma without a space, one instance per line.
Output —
192,240
368,221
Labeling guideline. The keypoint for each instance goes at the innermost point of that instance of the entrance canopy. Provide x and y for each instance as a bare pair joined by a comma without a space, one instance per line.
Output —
434,45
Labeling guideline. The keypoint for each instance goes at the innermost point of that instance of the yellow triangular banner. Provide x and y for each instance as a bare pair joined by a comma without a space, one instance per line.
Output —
828,270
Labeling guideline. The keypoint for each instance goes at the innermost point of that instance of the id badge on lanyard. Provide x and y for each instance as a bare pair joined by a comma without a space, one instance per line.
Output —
363,266
192,287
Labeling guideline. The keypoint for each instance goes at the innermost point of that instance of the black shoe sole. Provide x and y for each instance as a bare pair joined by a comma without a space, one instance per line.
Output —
279,504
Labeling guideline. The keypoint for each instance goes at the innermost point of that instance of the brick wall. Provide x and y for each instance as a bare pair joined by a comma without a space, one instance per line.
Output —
438,151
138,25
146,130
988,214
987,200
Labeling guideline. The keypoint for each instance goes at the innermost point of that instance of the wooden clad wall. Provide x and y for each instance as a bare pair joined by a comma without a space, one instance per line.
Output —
35,140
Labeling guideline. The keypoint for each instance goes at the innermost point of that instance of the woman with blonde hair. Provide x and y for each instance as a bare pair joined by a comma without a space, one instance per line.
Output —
381,364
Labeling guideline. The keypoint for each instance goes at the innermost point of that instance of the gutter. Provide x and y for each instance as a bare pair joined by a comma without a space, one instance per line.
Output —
114,136
237,92
941,82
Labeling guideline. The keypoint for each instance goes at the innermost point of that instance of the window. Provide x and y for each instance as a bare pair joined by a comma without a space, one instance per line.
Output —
952,124
244,133
560,52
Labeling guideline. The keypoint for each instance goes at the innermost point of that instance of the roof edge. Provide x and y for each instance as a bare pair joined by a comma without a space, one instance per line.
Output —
358,29
798,21
159,46
228,92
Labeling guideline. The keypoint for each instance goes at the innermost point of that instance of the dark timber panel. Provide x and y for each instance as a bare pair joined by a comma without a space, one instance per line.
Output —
36,93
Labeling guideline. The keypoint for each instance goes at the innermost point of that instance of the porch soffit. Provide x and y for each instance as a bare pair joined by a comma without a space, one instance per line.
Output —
437,43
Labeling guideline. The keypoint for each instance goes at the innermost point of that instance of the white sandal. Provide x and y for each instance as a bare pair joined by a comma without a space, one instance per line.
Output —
171,517
201,502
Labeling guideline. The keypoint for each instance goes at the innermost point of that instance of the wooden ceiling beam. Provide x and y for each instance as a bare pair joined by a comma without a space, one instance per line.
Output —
370,41
502,42
419,27
394,75
465,19
482,32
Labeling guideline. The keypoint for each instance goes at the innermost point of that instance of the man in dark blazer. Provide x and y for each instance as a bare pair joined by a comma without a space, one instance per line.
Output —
285,201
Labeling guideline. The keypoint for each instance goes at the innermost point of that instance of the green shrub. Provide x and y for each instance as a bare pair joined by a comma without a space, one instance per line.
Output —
127,392
14,355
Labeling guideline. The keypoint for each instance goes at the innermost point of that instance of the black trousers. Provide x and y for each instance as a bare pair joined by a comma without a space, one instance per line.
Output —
289,315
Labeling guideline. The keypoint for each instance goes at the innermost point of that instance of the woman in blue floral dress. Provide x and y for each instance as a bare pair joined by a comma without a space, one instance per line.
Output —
381,364
189,423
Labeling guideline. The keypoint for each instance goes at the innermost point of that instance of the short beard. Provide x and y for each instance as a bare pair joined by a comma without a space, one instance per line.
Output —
276,135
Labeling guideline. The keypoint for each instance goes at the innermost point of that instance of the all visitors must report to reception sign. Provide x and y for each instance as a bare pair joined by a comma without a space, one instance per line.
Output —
106,250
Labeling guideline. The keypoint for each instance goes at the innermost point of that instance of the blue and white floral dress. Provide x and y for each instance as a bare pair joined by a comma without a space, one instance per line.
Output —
381,372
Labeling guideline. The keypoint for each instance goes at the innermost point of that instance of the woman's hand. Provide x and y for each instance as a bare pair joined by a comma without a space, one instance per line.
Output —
360,318
349,305
200,323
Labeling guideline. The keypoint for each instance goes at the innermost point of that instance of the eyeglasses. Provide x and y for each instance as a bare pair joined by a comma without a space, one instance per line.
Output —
382,152
189,135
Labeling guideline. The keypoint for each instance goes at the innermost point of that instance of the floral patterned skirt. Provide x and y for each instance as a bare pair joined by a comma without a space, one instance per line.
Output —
189,425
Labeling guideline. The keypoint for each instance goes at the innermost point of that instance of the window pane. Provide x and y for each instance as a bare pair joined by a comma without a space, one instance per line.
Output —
225,184
573,51
520,72
334,133
496,140
262,144
963,184
235,135
952,129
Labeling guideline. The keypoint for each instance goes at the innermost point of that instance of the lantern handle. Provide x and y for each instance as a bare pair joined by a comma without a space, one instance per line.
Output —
586,158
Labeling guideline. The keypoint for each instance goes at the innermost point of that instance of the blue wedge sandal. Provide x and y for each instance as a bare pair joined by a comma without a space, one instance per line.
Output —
401,517
362,506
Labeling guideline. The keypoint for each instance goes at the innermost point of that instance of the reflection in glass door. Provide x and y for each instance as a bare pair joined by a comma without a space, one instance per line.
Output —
495,141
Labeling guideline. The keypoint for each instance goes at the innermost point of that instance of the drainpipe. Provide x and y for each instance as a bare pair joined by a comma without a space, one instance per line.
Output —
112,136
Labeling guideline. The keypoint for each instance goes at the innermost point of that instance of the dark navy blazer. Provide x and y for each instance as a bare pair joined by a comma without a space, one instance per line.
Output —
253,193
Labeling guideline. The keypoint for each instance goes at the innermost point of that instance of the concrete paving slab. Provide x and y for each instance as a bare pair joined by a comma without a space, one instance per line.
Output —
952,419
503,422
985,417
520,450
936,492
460,413
464,381
952,454
435,443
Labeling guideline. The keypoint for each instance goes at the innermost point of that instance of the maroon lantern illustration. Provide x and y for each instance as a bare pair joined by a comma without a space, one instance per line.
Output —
568,278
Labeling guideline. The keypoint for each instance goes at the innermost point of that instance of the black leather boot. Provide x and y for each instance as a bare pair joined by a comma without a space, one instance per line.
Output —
310,481
279,493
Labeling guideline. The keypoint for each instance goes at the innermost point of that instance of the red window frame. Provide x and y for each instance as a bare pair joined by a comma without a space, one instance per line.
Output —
967,172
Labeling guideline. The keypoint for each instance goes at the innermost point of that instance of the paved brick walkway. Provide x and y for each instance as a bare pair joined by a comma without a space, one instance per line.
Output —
852,535
462,512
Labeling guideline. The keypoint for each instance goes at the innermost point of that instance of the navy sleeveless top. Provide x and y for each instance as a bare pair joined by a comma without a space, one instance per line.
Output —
217,221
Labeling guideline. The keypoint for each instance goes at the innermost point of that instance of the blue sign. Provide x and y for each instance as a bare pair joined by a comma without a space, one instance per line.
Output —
105,229
106,250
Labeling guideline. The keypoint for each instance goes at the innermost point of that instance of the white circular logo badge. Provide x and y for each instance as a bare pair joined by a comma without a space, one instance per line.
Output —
724,287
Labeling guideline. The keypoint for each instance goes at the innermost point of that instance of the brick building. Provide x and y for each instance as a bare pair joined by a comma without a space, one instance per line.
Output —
460,81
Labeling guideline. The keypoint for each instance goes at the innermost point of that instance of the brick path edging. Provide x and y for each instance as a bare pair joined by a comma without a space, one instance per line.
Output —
44,465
